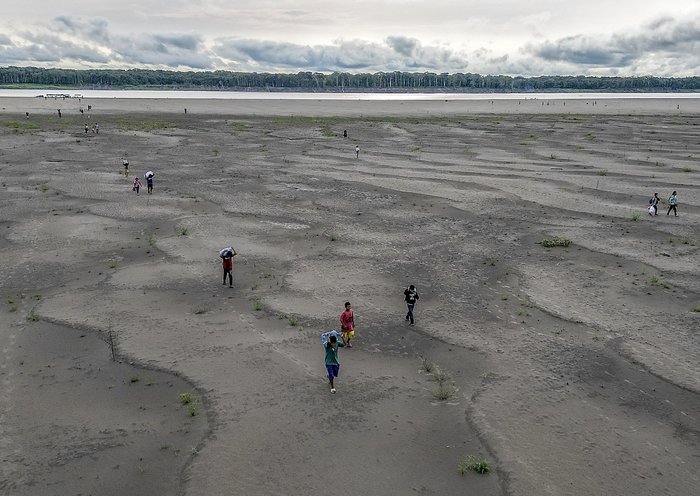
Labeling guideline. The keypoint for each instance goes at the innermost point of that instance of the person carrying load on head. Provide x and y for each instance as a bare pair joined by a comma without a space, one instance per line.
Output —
149,181
227,255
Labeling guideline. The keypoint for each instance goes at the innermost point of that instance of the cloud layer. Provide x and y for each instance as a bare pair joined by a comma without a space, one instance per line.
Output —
665,46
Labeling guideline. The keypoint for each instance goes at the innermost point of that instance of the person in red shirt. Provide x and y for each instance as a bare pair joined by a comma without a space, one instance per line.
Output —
347,324
228,267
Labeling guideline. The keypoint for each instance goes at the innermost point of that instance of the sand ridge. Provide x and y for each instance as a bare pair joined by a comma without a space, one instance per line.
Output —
575,368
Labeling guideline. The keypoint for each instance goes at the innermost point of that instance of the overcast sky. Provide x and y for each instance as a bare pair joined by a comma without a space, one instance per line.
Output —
515,37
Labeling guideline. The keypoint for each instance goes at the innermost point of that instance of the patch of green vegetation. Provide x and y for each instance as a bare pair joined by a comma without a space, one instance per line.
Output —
200,309
151,239
19,125
293,321
33,316
257,305
113,264
240,126
43,187
687,169
328,132
635,216
185,398
551,243
183,230
473,464
134,378
444,392
427,365
590,137
128,124
697,309
602,172
193,408
552,156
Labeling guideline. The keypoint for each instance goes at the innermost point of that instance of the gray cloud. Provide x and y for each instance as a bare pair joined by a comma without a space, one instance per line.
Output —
665,38
396,53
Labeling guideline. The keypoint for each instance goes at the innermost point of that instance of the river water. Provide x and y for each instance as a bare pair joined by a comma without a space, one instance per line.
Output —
262,95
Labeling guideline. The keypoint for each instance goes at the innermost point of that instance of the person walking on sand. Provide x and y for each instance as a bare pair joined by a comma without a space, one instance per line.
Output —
86,128
672,202
228,265
654,204
410,296
137,185
332,364
149,181
357,151
125,163
347,324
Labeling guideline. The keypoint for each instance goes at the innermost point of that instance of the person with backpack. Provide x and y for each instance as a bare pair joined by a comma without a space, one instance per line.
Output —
410,296
149,181
672,202
654,204
137,185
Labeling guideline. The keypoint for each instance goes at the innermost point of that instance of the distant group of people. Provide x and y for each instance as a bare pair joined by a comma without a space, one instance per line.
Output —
347,333
95,129
672,204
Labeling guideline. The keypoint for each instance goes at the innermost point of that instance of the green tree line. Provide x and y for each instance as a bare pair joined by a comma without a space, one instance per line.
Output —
336,81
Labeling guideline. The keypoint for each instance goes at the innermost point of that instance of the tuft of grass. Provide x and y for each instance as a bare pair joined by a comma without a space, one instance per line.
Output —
43,187
33,316
328,132
552,156
444,391
332,237
687,169
183,230
193,408
427,365
151,239
200,309
697,309
441,376
185,398
113,264
602,172
293,321
134,378
635,216
257,306
473,464
550,243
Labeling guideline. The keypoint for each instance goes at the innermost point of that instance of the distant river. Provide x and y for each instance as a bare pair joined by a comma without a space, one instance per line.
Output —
262,95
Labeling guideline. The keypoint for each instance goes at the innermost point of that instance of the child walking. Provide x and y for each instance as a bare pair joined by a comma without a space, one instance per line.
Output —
332,364
347,324
228,266
137,185
672,203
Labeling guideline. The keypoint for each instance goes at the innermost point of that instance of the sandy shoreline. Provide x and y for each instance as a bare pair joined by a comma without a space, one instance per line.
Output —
575,370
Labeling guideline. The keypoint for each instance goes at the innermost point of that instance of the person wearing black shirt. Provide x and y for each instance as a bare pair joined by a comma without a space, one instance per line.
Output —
411,295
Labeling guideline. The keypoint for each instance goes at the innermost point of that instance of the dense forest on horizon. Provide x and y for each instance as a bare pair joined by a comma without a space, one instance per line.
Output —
337,81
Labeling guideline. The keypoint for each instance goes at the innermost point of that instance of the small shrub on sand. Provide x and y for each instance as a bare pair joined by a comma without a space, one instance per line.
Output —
550,243
473,464
441,376
257,306
134,378
697,309
603,172
444,392
43,187
687,169
635,216
185,398
427,365
183,230
151,239
192,408
33,316
293,321
200,309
